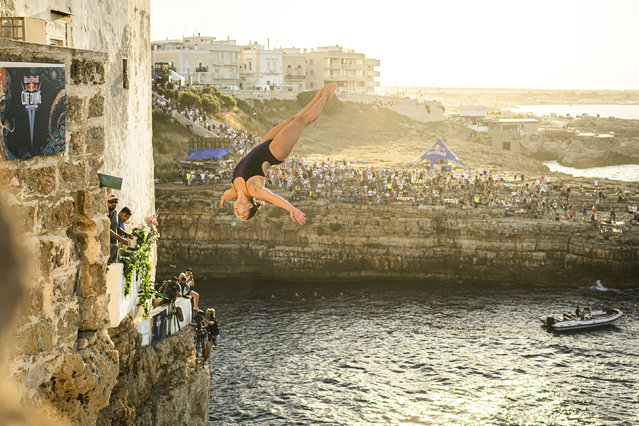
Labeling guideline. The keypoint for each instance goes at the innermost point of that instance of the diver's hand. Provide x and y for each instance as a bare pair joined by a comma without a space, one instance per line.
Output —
298,216
226,196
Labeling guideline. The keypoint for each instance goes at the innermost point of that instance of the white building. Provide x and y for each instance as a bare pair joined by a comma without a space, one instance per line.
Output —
351,71
260,69
294,66
201,60
371,75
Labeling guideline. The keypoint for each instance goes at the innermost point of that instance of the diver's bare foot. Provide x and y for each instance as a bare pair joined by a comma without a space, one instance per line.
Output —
328,90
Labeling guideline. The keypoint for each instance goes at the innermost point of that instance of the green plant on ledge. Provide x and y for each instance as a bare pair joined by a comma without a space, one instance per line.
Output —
137,260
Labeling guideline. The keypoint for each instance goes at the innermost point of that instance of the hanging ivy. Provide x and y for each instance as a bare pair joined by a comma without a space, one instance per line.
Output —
137,260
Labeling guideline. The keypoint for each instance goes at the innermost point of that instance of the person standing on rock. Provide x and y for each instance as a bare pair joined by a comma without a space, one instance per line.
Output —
249,179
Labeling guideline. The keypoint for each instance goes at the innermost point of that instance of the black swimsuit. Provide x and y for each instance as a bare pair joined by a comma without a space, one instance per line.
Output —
251,164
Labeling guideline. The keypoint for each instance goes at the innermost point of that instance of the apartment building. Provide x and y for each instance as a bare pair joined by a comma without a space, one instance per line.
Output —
294,66
351,71
203,61
207,61
371,74
260,69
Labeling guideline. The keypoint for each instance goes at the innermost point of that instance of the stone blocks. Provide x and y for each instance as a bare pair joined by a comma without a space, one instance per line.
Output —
87,72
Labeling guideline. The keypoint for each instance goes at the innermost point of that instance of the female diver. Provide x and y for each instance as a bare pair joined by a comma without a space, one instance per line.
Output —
249,179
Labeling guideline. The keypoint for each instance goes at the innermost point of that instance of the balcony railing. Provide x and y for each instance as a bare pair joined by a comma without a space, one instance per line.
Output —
119,303
163,321
295,77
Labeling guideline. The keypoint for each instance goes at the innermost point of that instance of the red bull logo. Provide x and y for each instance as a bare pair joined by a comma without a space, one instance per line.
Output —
31,98
437,149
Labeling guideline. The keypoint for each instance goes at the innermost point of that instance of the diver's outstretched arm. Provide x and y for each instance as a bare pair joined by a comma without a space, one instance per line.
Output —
266,195
229,194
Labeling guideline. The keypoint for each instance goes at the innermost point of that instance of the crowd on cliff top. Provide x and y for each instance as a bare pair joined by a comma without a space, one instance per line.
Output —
517,195
341,181
238,141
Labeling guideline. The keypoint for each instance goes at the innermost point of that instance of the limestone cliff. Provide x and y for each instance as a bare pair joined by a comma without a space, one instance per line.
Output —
349,241
158,384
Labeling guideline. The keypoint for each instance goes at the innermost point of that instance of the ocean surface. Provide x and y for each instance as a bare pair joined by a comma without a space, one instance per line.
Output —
418,353
624,172
605,110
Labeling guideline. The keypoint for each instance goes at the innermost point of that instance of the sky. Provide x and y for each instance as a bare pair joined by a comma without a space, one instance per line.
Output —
559,44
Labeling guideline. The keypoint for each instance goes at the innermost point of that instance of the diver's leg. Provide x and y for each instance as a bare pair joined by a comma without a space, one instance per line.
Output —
286,139
275,130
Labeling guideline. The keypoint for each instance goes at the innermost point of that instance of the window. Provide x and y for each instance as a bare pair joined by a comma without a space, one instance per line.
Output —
125,75
506,146
12,28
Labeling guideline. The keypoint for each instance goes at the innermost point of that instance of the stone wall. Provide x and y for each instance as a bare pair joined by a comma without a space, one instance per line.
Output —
63,352
159,384
120,29
349,241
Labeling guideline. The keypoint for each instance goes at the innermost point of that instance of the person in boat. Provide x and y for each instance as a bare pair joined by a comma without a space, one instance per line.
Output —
247,186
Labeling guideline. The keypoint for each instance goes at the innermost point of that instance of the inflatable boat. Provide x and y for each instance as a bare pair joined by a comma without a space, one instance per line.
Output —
583,319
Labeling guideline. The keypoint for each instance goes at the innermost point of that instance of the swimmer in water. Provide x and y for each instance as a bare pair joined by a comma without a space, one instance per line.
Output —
249,176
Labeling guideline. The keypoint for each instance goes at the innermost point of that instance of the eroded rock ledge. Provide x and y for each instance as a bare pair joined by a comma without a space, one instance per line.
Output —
348,241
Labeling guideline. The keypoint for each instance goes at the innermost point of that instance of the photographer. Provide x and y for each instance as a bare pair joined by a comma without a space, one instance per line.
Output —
212,327
171,290
188,283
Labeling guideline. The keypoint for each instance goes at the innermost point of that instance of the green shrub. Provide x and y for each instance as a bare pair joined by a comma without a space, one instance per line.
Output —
210,104
210,91
228,102
190,99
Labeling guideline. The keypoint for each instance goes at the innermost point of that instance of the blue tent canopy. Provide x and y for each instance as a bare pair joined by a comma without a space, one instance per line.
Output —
439,151
206,154
155,77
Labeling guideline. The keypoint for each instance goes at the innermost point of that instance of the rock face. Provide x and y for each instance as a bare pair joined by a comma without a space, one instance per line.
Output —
158,384
347,241
62,352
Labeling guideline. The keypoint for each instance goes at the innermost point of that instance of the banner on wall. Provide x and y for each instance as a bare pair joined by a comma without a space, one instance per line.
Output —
32,110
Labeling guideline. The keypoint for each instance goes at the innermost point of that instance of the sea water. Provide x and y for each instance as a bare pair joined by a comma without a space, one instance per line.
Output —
624,172
418,353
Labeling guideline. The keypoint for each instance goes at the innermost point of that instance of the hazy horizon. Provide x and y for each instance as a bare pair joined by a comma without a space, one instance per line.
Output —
568,45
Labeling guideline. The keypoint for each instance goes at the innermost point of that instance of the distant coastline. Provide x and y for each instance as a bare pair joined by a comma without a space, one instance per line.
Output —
624,111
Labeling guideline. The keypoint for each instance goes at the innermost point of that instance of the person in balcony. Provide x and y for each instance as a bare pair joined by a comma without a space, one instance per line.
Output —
124,215
248,184
112,202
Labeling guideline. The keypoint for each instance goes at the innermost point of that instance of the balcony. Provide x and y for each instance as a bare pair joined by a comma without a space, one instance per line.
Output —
295,77
202,69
